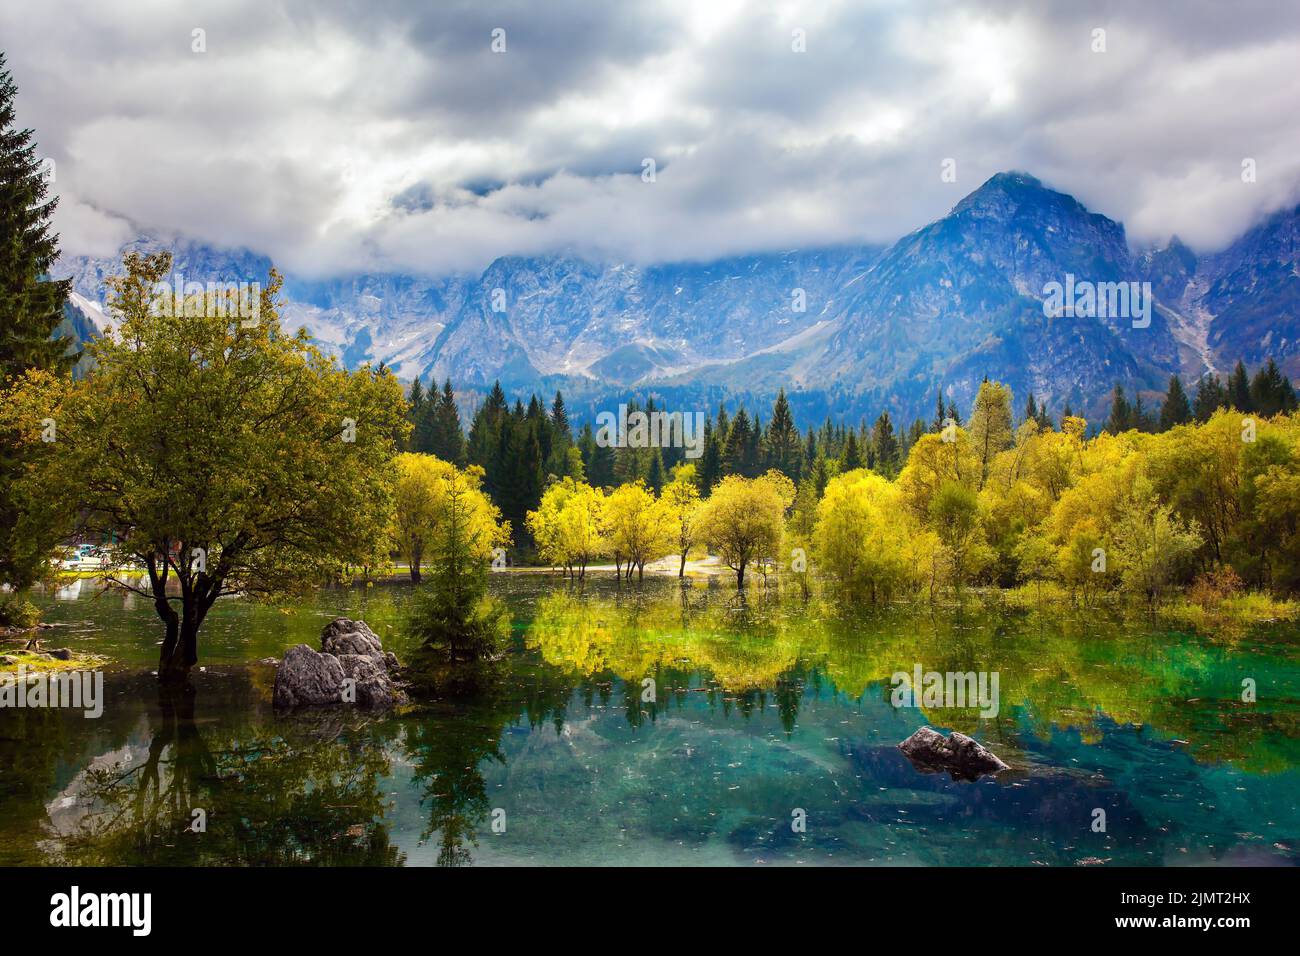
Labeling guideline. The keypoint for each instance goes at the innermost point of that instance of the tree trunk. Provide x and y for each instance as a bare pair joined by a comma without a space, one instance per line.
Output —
171,636
740,576
681,572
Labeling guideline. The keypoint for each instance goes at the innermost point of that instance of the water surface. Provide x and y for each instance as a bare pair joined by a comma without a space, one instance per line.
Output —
763,712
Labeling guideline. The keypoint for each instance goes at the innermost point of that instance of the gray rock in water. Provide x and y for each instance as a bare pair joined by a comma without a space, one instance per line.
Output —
60,653
349,650
342,636
308,679
930,752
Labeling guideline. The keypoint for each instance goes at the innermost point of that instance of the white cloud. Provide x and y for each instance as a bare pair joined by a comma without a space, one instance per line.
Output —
338,136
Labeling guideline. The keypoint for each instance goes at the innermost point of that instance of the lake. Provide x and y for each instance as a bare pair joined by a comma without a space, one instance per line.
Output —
767,737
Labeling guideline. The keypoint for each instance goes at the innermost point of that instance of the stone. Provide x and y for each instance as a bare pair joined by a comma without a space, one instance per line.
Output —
60,653
963,757
306,678
374,688
343,636
350,650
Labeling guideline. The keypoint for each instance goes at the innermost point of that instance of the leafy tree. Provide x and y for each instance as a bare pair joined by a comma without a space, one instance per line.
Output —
1152,544
990,424
862,541
1036,560
420,505
681,497
955,518
744,518
568,525
639,527
225,458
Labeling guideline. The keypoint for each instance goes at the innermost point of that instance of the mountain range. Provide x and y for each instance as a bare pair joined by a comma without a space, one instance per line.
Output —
846,330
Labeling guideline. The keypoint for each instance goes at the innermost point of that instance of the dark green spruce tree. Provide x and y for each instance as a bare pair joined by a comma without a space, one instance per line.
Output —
1210,397
784,447
31,306
1176,409
31,309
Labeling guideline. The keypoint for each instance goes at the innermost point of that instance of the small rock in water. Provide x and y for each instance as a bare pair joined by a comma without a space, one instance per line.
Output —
963,757
60,653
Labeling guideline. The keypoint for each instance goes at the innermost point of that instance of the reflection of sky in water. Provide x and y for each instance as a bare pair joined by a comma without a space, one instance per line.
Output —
751,725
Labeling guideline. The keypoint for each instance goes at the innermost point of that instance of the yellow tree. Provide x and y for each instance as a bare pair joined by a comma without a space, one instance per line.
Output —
990,424
744,518
681,497
862,538
934,461
638,526
567,525
420,484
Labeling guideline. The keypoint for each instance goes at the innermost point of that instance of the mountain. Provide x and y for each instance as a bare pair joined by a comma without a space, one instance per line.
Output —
962,298
847,329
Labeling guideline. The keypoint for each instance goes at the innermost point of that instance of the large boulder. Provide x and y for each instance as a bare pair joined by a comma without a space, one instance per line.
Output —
350,651
308,679
964,758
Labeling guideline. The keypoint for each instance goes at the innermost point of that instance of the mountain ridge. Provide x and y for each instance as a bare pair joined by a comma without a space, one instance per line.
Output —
845,327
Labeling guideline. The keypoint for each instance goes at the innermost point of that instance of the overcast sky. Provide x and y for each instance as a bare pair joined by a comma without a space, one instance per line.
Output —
346,135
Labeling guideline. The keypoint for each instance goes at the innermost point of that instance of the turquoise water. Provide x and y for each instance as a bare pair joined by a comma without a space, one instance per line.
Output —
765,714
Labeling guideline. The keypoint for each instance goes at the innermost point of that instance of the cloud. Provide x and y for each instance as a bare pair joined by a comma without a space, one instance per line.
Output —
343,136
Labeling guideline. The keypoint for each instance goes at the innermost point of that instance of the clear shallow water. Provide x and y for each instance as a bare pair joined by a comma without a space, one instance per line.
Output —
762,710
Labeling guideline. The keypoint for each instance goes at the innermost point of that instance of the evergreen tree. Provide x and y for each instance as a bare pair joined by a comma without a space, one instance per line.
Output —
738,447
655,473
1210,397
886,446
1031,409
446,440
852,457
953,413
1239,389
1271,391
485,431
1143,420
710,472
1176,410
939,412
1121,413
784,447
31,308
